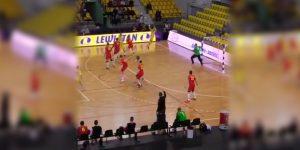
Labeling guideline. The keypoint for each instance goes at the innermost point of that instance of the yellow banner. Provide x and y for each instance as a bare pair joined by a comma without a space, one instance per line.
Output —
102,39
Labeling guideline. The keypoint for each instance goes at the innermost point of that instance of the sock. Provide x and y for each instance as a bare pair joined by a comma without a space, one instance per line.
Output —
194,95
189,96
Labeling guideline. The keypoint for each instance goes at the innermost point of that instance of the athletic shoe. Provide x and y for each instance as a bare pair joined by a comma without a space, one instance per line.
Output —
187,101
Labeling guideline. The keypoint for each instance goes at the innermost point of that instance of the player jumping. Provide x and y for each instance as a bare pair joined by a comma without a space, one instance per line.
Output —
124,64
108,56
191,88
140,74
152,30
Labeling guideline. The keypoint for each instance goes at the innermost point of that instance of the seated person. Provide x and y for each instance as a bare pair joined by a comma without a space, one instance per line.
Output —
131,3
83,132
130,128
180,115
96,131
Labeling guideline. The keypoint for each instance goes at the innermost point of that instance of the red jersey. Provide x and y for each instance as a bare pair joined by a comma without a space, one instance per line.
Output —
117,47
140,73
130,43
83,130
124,62
141,67
192,80
107,52
35,83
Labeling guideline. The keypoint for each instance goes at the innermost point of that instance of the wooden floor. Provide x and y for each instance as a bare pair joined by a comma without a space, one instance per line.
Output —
56,96
112,103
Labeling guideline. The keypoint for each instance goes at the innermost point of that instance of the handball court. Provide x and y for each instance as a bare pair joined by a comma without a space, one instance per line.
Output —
105,98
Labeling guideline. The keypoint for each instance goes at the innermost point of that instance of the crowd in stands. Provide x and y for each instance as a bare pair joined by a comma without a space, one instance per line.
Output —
120,3
120,10
160,10
121,14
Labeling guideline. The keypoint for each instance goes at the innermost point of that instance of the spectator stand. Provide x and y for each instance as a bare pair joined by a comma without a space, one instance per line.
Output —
120,12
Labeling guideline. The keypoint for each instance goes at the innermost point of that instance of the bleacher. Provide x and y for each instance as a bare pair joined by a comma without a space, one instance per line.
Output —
206,23
168,8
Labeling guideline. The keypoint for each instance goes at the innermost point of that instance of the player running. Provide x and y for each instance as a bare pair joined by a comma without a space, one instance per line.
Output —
117,48
140,74
191,88
130,45
124,64
108,56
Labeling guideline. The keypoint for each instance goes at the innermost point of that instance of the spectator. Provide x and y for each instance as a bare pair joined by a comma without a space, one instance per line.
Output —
180,115
130,128
134,29
126,3
4,123
131,3
148,7
114,3
122,3
132,12
141,19
110,3
158,15
96,131
83,131
161,107
245,130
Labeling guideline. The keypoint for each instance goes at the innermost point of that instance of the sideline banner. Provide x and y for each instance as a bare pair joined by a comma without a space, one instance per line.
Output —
102,39
208,51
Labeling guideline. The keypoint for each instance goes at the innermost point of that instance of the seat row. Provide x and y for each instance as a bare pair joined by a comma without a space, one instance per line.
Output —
220,7
197,26
205,22
212,18
216,13
189,30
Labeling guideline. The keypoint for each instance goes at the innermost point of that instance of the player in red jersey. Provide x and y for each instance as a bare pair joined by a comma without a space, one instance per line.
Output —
35,84
130,44
191,88
140,74
124,64
117,49
108,56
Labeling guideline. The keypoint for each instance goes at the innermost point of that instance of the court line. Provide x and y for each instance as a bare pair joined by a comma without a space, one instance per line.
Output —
177,91
83,95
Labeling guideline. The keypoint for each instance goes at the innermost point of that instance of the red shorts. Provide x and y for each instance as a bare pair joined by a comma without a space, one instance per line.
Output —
191,88
108,59
130,46
140,74
116,51
124,68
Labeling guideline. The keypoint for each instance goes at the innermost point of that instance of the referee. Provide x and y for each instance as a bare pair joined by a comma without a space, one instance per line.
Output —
197,53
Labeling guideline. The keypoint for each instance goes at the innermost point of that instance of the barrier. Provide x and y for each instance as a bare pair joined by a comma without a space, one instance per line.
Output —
102,39
208,51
